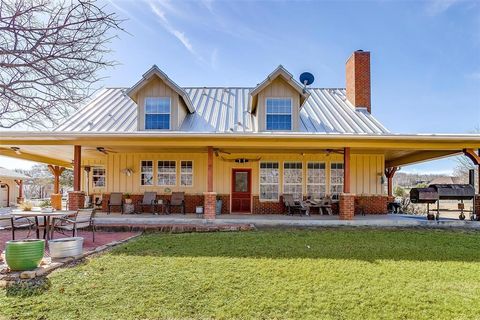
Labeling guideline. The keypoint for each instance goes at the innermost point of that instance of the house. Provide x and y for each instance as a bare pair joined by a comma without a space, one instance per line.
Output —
245,145
11,191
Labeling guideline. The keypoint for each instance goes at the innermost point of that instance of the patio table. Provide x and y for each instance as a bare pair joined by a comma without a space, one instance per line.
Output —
46,218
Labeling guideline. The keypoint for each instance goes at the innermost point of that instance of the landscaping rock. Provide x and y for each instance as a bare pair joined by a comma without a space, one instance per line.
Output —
28,274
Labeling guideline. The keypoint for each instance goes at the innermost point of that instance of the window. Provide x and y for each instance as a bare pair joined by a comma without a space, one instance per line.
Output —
292,179
167,173
186,173
157,113
336,179
146,173
279,114
269,175
316,187
98,177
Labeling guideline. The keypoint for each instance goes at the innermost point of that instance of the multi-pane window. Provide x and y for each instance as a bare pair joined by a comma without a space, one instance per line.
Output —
269,175
279,114
336,179
166,173
316,183
157,113
292,179
98,177
186,173
146,173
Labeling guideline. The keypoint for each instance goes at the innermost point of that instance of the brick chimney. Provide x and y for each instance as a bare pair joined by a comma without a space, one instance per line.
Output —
358,79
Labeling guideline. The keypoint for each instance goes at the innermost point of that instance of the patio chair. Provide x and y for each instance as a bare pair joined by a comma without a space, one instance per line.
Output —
294,206
177,200
116,200
326,204
83,218
18,223
149,200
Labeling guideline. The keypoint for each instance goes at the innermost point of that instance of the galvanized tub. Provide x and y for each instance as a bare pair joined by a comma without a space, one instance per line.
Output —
65,247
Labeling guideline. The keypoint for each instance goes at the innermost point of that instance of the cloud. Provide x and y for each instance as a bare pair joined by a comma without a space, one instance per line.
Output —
436,7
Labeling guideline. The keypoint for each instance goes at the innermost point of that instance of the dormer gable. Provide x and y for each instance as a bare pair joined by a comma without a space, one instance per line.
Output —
161,103
277,101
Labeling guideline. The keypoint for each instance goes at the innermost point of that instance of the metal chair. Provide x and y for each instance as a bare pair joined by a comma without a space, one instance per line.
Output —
177,200
149,200
83,218
19,223
294,206
115,200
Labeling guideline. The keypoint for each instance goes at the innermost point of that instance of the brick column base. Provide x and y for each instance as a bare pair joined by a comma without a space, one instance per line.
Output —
56,201
347,206
209,205
76,200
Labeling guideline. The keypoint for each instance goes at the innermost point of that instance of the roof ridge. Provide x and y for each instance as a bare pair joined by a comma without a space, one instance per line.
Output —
232,87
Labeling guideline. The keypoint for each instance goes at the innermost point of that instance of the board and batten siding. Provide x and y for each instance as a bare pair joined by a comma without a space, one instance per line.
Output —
279,88
366,171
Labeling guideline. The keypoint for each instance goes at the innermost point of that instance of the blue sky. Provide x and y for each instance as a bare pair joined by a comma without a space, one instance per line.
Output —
425,55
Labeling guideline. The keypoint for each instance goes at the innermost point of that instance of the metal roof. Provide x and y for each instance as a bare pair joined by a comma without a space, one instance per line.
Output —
225,110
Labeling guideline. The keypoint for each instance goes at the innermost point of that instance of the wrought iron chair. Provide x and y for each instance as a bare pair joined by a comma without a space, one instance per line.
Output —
115,200
294,206
19,223
177,200
149,200
82,219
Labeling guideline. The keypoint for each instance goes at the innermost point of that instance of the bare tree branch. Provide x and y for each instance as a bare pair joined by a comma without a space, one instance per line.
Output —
51,53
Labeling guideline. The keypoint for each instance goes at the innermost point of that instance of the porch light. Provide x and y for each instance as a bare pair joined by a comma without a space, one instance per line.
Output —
127,171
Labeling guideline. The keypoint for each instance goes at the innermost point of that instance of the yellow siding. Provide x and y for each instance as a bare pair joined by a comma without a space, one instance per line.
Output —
366,171
279,88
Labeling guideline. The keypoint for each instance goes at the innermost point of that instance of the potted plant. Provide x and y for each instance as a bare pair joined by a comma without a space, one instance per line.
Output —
128,198
22,255
26,206
218,206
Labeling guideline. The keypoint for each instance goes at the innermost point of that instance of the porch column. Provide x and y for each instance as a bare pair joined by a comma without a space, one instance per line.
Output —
20,191
347,200
56,197
475,157
76,198
389,173
210,197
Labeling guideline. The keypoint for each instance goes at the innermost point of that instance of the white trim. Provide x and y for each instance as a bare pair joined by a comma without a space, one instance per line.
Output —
315,184
292,184
176,174
291,113
153,173
193,174
278,183
145,112
104,176
330,180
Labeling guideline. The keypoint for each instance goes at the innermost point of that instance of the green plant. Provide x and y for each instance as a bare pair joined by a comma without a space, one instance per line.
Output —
26,206
45,203
128,195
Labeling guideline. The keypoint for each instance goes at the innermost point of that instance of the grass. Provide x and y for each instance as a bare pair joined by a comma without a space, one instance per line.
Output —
324,274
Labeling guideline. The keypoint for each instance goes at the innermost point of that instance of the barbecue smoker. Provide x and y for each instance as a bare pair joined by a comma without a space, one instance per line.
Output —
434,193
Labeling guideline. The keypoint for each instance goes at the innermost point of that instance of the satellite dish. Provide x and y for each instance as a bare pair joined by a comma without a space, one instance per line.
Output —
306,78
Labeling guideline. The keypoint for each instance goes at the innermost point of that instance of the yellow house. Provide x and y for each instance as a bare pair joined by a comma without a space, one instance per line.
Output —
246,146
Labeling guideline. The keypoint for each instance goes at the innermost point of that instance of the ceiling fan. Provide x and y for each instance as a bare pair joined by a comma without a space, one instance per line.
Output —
102,150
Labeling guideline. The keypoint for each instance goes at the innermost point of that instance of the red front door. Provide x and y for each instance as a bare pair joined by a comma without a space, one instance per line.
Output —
241,190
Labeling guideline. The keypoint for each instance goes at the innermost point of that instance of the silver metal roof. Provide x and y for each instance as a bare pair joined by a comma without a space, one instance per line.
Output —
224,110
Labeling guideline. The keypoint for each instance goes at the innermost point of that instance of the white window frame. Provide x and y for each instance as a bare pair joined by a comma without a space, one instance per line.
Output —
145,113
192,174
291,112
293,184
142,172
313,183
331,177
170,173
104,177
271,184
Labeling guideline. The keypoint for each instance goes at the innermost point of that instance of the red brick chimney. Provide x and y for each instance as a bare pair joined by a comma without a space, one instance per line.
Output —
358,79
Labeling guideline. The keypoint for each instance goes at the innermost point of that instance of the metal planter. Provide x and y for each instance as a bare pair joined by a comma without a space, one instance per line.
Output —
66,247
22,255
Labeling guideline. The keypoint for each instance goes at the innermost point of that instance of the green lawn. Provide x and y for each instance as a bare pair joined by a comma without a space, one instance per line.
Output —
324,274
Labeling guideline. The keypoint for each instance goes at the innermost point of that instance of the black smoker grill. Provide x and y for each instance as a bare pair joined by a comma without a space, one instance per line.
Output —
436,192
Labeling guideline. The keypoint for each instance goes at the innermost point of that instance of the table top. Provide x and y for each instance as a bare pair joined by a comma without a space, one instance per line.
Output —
41,214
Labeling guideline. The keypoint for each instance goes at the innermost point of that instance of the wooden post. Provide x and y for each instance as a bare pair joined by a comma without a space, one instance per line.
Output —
346,170
470,153
77,163
20,191
210,170
56,197
389,173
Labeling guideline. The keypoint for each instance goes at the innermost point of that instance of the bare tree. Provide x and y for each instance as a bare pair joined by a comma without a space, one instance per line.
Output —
51,53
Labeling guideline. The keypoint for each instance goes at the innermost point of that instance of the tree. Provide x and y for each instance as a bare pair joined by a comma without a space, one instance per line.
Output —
50,55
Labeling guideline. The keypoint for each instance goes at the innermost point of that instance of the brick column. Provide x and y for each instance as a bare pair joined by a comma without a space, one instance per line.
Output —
209,204
76,200
477,206
347,206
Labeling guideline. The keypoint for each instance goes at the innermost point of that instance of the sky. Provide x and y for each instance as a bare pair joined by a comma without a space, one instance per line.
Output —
425,55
